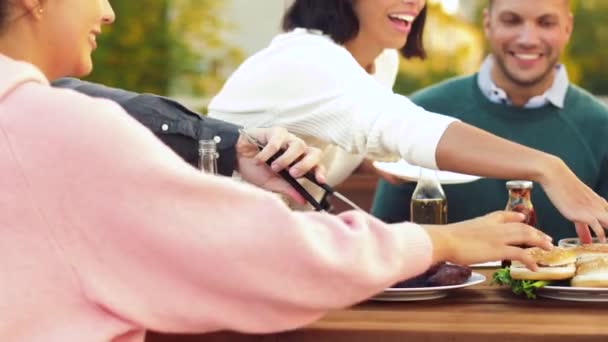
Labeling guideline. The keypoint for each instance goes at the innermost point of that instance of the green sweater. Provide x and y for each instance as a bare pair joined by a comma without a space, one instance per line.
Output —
577,134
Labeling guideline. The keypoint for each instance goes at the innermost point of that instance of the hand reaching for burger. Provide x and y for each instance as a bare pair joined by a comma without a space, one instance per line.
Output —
488,238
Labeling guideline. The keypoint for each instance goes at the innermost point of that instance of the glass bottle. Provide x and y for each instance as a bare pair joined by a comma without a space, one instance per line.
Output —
520,193
520,200
429,204
207,156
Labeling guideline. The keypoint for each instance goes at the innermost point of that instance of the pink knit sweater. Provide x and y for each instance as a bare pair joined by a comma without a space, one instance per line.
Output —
106,233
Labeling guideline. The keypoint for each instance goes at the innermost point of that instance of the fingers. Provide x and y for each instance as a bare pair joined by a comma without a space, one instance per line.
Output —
603,219
519,254
276,138
593,216
506,216
598,230
583,233
600,219
578,203
295,152
308,162
320,174
294,149
521,234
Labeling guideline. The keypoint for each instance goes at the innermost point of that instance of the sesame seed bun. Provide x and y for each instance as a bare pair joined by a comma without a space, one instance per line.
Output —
591,273
591,251
555,257
556,264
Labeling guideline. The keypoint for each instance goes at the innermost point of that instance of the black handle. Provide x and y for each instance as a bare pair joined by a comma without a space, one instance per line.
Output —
296,185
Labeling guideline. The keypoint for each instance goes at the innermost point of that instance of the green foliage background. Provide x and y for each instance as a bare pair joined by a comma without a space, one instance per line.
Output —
586,56
165,46
135,52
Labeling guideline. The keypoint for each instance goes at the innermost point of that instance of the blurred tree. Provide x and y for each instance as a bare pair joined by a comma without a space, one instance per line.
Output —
202,60
135,51
585,57
165,46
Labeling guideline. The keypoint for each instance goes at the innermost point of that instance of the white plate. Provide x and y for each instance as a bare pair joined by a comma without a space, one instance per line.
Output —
489,264
579,294
409,172
404,294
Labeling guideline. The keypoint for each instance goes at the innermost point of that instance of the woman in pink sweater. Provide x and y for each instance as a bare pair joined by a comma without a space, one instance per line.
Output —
137,239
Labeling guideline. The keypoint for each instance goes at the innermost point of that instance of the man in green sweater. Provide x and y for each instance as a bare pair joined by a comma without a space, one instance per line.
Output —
521,93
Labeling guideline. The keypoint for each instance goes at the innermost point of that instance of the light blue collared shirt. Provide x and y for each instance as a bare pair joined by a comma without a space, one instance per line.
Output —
555,95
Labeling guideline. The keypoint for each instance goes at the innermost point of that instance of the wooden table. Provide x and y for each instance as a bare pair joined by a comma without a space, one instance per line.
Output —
480,313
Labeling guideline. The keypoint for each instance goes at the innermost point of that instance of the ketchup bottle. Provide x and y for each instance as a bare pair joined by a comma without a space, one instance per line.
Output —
520,201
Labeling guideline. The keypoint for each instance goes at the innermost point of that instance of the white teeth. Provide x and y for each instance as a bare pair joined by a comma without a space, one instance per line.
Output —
404,17
527,57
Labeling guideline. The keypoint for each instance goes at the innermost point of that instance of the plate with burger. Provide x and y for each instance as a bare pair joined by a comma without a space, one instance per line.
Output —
435,283
579,274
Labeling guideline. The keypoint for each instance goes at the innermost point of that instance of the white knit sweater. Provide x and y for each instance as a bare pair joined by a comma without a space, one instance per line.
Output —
315,88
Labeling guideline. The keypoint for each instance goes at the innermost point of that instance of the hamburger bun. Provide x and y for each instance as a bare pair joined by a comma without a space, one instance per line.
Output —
590,251
556,264
543,273
591,272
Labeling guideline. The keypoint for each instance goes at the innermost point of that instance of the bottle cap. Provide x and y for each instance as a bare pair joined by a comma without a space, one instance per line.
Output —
206,146
519,184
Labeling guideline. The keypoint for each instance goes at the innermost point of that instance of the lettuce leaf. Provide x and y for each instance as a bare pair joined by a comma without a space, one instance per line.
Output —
519,287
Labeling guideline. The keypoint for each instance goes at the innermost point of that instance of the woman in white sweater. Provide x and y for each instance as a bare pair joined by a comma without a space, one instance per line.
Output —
329,77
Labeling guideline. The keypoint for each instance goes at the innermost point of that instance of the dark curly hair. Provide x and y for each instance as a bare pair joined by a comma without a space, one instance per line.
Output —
337,19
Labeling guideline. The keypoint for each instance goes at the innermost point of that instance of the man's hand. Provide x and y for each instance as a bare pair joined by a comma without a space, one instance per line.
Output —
575,200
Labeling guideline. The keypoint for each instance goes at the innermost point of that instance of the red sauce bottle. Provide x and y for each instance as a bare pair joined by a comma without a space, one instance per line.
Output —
520,201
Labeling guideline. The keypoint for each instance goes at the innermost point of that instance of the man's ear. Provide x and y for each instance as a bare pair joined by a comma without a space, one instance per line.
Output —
486,21
570,24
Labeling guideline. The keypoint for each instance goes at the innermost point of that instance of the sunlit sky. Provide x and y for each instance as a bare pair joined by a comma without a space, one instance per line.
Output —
449,6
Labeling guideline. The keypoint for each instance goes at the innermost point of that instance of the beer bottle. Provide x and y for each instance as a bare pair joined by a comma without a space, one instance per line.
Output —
520,192
429,204
207,153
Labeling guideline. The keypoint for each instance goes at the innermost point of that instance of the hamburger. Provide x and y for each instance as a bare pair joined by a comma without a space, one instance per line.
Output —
554,265
591,251
591,272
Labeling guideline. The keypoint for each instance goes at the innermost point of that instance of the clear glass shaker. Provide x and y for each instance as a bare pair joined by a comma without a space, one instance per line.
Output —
429,204
207,153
